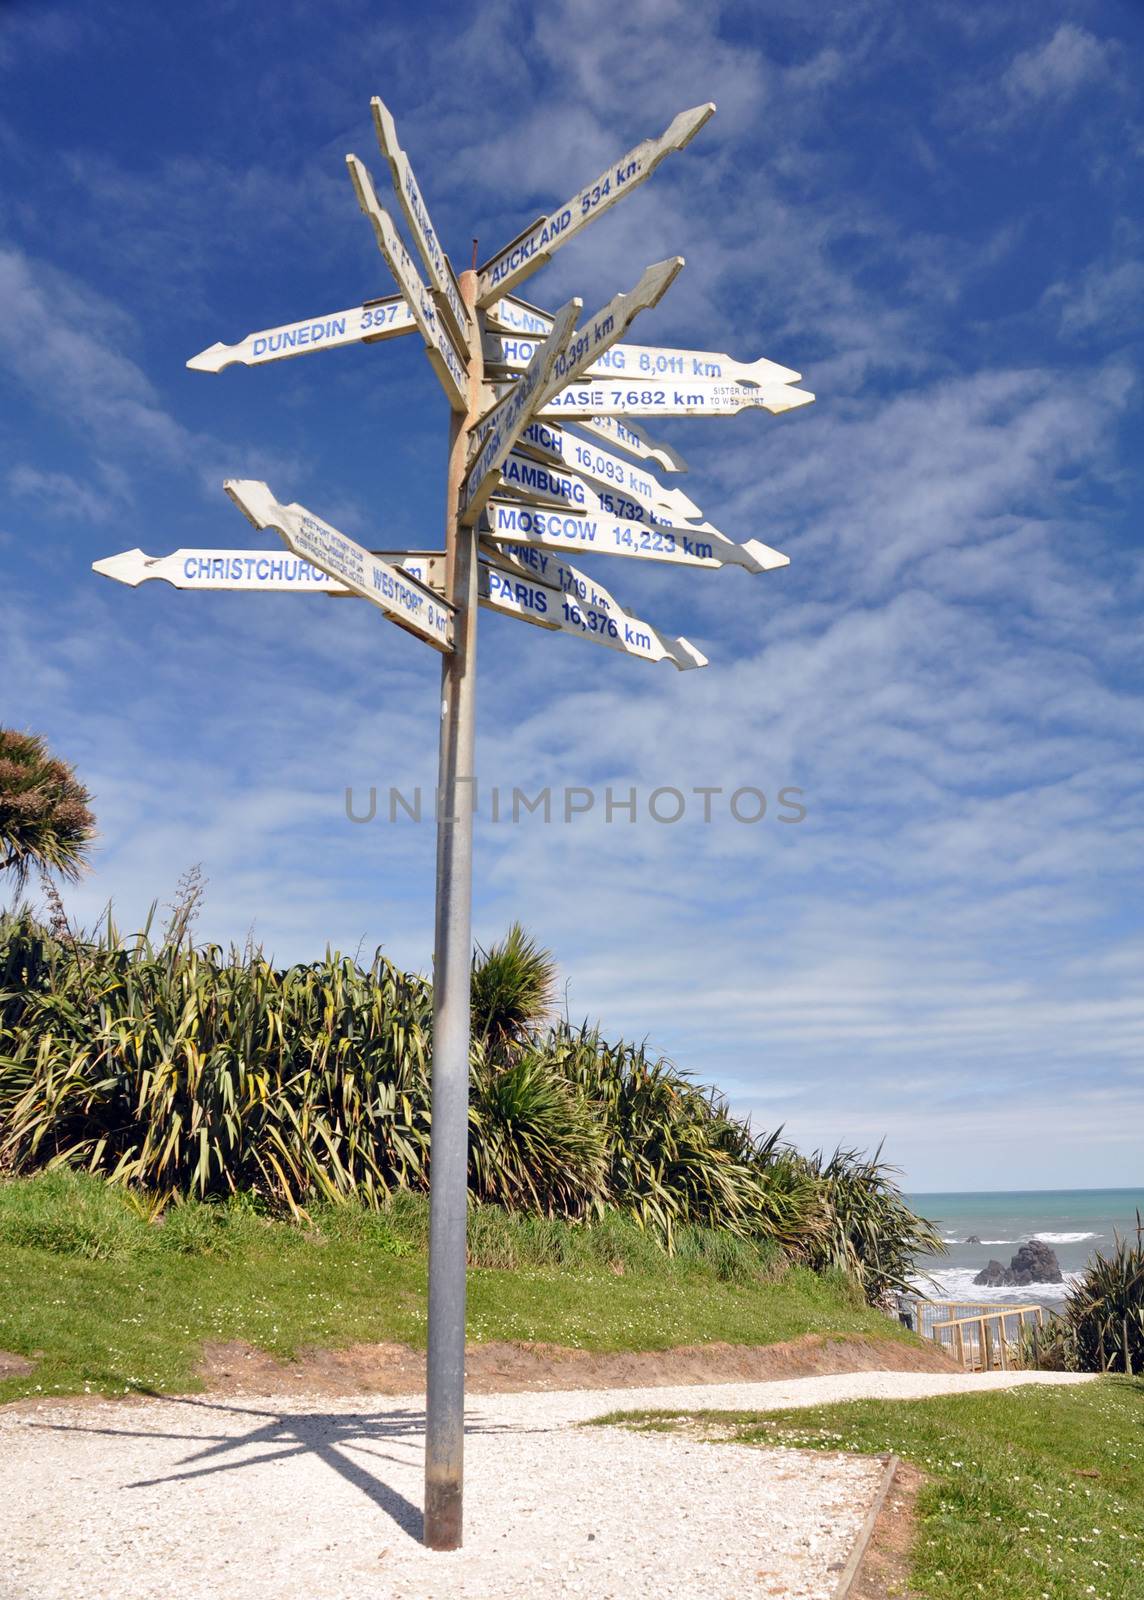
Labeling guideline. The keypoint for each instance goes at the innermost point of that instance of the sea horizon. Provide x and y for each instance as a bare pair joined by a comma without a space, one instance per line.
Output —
1076,1223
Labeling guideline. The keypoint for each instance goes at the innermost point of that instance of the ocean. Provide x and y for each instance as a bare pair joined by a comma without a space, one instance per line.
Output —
1077,1223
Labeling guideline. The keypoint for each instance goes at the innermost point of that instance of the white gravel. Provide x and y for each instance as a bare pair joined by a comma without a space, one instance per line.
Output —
200,1498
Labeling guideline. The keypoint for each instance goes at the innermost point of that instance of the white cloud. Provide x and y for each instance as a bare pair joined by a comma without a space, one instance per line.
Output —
65,497
1107,298
1072,59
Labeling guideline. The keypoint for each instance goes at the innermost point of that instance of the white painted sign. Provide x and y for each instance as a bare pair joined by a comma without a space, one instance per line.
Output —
514,315
510,352
501,427
522,257
625,435
402,599
538,587
447,291
532,480
446,359
256,571
364,324
590,460
597,334
604,397
560,529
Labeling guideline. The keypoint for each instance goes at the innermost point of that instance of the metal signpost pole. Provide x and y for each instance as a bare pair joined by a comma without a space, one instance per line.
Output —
452,955
510,518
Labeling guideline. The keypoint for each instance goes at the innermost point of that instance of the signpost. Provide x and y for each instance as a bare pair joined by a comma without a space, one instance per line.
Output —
445,358
556,528
364,324
507,554
446,289
402,598
533,247
624,433
509,353
252,572
539,588
615,397
633,495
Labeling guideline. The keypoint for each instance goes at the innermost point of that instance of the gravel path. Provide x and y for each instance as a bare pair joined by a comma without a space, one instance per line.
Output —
200,1498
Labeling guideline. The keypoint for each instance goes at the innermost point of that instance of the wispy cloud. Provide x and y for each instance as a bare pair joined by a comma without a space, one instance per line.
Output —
1053,72
950,669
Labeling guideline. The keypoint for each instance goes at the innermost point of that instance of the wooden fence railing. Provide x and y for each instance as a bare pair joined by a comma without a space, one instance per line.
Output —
981,1337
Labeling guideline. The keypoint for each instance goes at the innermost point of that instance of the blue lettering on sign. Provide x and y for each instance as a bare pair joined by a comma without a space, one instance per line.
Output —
535,244
517,317
545,438
526,595
576,398
536,559
527,475
293,338
545,524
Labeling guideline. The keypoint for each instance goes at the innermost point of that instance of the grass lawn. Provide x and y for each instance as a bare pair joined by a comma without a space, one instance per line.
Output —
108,1301
1033,1494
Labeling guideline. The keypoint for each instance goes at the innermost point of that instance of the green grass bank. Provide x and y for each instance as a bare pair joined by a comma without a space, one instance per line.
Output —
1032,1494
107,1298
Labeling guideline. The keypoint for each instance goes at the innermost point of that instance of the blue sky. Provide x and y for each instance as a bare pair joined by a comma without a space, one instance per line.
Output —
933,214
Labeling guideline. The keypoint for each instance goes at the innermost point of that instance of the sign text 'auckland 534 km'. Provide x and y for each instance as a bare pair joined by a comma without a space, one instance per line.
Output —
545,466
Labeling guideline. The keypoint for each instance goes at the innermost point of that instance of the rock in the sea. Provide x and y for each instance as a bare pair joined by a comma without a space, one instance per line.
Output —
1034,1262
973,1239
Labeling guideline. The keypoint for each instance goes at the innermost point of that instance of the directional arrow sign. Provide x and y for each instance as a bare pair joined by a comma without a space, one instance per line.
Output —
517,316
402,599
447,361
538,588
589,460
447,291
541,481
504,423
600,332
364,324
513,351
534,247
613,397
623,433
254,571
511,522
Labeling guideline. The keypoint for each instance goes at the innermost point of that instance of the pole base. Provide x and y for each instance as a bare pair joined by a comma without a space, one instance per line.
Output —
443,1515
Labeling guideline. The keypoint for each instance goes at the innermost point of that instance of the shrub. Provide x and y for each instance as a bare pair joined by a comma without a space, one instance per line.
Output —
190,1072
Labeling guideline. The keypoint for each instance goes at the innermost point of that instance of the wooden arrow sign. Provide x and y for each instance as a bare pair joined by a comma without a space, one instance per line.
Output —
502,426
556,528
364,324
625,435
256,571
522,257
446,290
614,397
447,361
538,588
510,352
597,334
589,460
402,599
541,481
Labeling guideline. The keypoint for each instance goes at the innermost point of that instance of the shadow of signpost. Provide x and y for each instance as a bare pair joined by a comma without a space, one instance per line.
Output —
336,1439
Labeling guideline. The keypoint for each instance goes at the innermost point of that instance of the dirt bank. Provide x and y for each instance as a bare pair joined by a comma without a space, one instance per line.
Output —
395,1369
